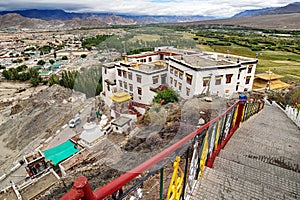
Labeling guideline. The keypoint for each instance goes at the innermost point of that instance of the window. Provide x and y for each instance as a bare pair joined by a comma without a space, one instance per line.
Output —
239,74
176,73
138,78
124,74
218,80
105,71
119,72
120,83
228,78
249,68
175,83
180,74
163,78
171,80
150,59
171,70
206,81
108,87
188,91
179,86
130,75
139,91
155,79
248,79
189,79
237,87
130,87
125,85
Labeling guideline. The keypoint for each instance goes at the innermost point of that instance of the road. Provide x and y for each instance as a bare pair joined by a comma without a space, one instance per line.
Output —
68,132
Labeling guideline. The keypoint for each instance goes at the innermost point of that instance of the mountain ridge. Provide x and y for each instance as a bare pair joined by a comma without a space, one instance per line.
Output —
288,9
58,14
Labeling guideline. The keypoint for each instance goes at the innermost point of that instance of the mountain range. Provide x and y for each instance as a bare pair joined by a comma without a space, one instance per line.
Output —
49,15
59,19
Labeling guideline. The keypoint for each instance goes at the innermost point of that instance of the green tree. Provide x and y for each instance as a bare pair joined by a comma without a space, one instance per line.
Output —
6,74
83,55
166,96
54,79
51,61
35,81
41,62
64,58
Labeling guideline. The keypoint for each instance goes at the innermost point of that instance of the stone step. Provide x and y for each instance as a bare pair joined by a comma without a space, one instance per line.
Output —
267,155
218,185
207,189
272,148
257,164
256,176
287,146
262,149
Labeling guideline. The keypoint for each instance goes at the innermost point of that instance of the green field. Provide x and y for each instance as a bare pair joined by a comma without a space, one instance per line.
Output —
281,61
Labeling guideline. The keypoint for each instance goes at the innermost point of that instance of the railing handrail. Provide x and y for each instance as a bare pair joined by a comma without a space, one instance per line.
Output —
116,184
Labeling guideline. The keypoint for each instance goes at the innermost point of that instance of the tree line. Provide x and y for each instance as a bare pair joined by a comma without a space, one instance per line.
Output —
22,73
87,81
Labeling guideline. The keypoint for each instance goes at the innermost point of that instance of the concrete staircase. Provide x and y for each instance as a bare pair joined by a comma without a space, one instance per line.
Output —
261,161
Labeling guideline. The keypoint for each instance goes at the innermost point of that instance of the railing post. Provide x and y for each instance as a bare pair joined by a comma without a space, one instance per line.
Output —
243,99
161,185
185,172
80,190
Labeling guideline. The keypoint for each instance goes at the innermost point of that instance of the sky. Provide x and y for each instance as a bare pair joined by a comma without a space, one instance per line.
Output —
217,8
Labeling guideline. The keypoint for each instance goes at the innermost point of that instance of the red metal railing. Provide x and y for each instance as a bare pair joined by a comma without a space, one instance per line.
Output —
225,124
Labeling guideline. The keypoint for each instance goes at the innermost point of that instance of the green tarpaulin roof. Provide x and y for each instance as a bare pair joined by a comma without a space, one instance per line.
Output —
61,152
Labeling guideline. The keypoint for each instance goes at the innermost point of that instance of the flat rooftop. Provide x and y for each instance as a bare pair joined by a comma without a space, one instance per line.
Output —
121,121
201,60
151,67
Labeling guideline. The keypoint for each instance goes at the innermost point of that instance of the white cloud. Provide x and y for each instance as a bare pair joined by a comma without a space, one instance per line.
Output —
221,8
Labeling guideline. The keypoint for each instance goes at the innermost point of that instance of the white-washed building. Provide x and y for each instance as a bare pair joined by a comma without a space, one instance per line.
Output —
188,72
210,73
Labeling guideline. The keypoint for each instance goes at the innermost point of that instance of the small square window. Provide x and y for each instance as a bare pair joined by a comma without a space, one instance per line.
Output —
139,78
228,78
139,91
130,75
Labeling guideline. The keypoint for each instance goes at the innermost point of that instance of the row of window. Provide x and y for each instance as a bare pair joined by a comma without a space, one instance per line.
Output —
126,74
178,85
178,73
126,85
218,79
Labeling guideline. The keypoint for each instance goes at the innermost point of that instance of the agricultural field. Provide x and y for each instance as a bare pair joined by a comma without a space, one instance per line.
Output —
279,53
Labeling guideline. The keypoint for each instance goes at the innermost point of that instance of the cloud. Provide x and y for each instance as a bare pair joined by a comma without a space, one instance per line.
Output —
220,8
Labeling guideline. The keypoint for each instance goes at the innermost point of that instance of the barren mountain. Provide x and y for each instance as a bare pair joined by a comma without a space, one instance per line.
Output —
16,21
288,9
278,22
113,19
